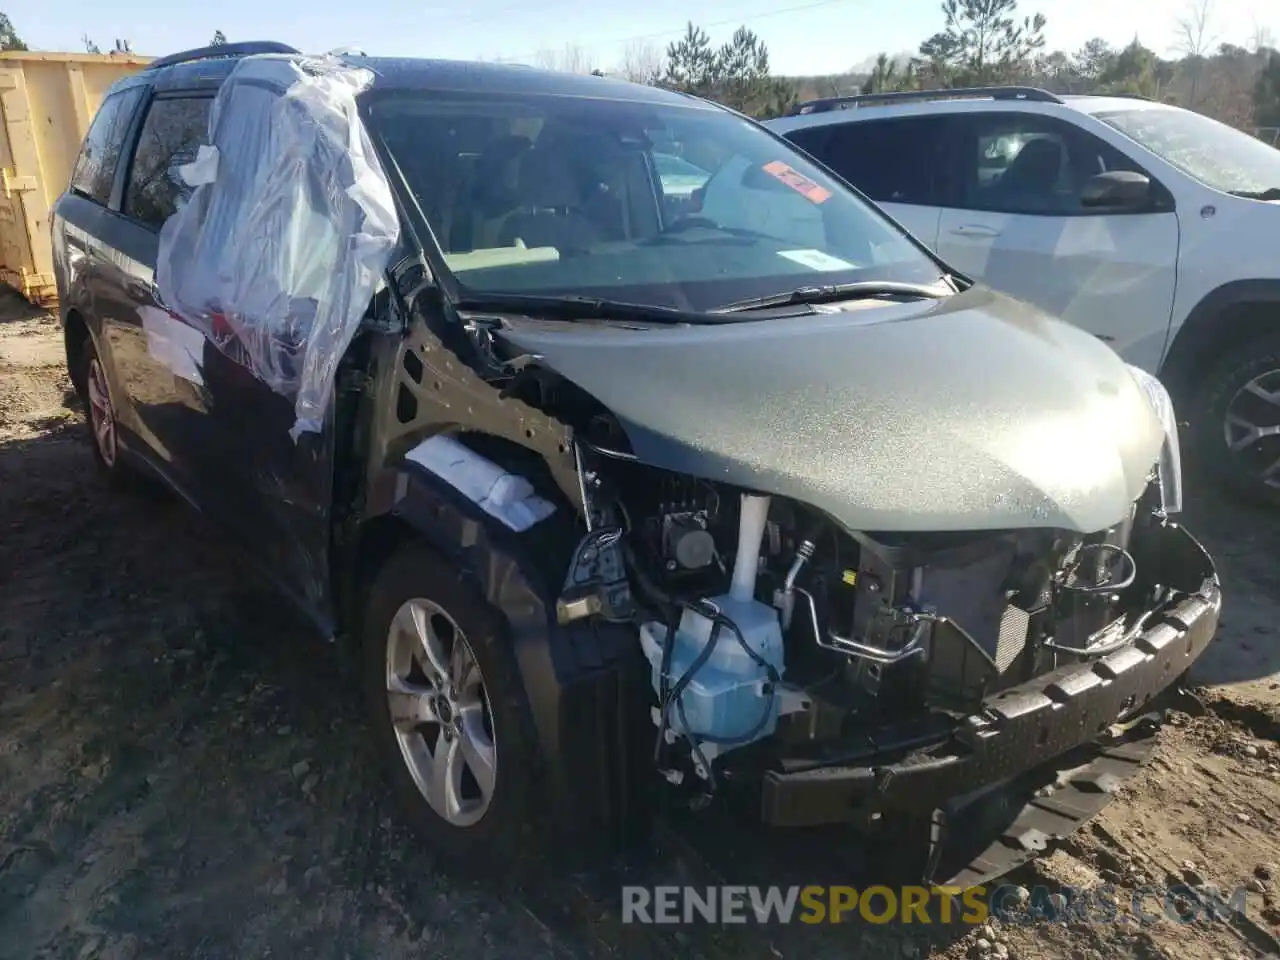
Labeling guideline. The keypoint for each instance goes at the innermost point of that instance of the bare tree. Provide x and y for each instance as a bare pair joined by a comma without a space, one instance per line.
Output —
1262,38
642,62
1197,34
572,59
1195,29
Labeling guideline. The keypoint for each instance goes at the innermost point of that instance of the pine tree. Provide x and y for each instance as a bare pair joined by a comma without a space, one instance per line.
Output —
9,39
983,41
1266,93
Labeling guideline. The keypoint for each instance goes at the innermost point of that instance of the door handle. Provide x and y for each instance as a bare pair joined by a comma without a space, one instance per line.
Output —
975,230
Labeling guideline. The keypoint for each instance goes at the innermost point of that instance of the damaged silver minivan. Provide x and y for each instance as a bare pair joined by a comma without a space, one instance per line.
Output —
636,459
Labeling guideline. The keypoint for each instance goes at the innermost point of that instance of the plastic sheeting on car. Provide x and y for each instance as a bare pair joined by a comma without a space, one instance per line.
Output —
290,227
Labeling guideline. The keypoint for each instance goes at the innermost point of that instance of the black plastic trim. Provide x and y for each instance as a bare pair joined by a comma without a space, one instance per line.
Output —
1195,339
988,834
221,51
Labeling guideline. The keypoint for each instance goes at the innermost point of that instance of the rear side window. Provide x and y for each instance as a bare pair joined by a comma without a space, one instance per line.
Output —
891,161
171,134
95,169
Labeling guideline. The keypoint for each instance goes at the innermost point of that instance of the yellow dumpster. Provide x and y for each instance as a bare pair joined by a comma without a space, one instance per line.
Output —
46,103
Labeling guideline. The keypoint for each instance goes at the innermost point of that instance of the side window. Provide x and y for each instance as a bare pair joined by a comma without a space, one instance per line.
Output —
1028,164
891,161
171,133
95,169
809,139
679,180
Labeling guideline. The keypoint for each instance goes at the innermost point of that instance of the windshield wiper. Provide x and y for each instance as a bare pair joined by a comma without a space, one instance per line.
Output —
1271,193
577,307
834,292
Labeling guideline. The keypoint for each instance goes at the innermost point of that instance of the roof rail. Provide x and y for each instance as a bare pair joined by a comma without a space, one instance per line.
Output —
218,51
824,104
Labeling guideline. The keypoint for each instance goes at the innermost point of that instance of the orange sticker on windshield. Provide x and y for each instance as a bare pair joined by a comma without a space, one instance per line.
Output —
797,181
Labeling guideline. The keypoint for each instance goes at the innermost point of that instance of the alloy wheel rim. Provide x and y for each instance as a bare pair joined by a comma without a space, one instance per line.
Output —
102,417
1251,427
440,712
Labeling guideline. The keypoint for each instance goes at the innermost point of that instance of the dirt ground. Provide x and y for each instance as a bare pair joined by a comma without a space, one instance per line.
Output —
183,773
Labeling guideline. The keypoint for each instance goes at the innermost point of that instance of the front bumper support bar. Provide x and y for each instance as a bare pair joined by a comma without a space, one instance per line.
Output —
977,839
1020,728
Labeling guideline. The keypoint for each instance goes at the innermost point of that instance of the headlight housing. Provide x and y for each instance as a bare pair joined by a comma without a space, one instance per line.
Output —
1170,464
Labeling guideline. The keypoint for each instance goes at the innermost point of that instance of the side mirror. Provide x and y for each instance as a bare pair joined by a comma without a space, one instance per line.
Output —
1117,189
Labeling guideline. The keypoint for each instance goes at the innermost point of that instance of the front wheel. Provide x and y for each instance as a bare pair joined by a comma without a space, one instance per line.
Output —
1235,421
448,709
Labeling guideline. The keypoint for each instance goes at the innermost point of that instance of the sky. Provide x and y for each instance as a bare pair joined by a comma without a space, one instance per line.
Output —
803,36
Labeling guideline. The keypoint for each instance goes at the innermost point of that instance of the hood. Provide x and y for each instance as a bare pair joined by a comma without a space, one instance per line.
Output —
975,412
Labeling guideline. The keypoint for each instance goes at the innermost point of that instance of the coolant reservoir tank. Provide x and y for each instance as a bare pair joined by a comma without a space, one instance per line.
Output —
728,698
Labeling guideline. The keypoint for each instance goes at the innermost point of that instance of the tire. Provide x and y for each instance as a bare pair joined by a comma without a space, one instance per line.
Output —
480,834
1253,470
95,394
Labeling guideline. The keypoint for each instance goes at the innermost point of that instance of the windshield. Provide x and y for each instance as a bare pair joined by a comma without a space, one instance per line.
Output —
1217,155
673,205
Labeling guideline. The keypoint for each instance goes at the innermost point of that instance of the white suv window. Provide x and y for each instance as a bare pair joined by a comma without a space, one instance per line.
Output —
891,161
1028,164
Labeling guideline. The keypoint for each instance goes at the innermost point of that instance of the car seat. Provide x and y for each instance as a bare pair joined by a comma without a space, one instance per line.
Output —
488,193
1032,177
550,211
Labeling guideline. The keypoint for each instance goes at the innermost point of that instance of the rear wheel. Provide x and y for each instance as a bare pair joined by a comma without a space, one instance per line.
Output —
448,710
100,417
1236,421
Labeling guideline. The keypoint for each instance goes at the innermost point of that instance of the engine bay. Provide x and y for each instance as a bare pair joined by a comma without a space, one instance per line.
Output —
768,627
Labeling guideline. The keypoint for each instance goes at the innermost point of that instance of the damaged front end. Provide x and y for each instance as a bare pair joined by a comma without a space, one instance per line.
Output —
850,677
840,535
839,675
973,654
